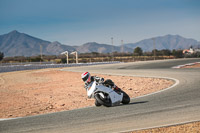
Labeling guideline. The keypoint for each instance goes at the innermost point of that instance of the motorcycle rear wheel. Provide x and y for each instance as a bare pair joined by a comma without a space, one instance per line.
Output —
126,98
103,101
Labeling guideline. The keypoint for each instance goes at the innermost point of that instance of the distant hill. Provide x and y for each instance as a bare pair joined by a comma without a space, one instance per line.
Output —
165,42
21,44
55,48
101,48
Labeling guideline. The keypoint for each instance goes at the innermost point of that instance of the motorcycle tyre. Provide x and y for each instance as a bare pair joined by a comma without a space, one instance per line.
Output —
97,103
102,101
126,98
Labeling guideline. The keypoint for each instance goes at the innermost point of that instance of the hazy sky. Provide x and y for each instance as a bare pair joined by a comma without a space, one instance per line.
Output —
75,22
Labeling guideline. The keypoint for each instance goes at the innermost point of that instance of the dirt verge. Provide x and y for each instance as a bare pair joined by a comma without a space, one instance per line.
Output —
196,65
193,127
26,93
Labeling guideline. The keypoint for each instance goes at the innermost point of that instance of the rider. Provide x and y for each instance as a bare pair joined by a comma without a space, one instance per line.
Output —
88,79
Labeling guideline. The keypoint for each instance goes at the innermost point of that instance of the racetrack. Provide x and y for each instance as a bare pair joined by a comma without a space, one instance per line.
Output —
179,104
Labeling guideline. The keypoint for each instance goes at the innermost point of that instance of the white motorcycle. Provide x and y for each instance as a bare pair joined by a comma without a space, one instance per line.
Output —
106,95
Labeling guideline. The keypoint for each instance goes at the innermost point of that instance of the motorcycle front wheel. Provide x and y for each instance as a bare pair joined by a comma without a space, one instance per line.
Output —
97,103
103,101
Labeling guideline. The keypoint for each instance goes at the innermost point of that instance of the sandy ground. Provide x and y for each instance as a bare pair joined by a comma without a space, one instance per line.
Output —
197,65
193,127
26,93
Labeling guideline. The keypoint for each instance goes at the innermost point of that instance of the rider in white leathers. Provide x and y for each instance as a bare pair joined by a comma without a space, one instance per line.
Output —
88,79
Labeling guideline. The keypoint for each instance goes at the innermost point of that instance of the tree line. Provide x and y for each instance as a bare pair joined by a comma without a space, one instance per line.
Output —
95,56
164,52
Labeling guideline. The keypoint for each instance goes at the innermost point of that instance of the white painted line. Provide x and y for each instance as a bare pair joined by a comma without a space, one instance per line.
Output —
4,119
189,64
142,76
176,83
161,126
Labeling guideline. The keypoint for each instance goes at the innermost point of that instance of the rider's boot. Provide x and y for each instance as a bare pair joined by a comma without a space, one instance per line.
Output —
116,89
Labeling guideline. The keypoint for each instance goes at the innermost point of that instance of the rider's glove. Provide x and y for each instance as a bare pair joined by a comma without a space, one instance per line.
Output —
102,80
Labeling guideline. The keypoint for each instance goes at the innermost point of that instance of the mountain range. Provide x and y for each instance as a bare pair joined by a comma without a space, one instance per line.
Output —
15,43
165,42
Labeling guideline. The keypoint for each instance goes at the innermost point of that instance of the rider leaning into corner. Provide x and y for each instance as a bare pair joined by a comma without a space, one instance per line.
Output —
88,79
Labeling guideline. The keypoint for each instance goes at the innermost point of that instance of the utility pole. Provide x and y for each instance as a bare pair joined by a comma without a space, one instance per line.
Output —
76,57
41,54
122,42
112,54
154,46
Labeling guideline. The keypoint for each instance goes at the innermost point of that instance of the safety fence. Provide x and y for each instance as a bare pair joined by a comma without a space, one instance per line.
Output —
30,66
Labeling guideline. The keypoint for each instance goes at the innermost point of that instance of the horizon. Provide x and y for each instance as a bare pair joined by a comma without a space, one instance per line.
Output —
75,22
95,42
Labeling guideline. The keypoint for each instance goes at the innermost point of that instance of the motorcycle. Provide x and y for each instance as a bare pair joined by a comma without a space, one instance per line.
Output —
106,96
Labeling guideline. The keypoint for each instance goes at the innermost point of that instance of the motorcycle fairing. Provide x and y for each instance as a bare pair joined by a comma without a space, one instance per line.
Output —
115,97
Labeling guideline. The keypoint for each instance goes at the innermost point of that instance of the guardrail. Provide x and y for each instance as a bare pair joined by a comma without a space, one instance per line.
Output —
30,66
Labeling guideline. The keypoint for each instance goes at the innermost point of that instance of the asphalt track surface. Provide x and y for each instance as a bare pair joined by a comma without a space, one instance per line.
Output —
178,104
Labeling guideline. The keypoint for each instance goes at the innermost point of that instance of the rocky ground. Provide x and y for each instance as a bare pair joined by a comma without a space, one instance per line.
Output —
193,127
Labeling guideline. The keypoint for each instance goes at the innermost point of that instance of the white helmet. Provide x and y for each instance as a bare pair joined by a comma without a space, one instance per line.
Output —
86,77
